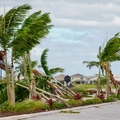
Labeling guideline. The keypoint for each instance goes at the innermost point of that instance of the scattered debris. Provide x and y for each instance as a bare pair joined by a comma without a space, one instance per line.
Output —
68,111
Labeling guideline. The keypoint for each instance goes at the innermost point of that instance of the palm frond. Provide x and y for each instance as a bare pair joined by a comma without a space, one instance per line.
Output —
31,34
111,51
90,64
43,60
55,70
14,17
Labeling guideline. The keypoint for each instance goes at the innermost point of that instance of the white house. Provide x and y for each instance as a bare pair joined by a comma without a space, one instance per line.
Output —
79,78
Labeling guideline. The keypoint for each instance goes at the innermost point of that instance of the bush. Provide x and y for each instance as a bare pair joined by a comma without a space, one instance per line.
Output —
57,105
92,101
73,102
118,96
27,106
6,107
110,99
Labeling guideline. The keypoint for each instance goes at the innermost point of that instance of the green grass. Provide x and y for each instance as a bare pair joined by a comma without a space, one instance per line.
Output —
88,86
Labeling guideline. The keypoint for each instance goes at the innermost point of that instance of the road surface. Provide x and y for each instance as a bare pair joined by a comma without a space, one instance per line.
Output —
95,112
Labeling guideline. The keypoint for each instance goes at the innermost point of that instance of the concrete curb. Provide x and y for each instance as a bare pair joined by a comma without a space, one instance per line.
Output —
25,116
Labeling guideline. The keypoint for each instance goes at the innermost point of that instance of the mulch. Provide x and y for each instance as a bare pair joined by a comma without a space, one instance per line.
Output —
7,114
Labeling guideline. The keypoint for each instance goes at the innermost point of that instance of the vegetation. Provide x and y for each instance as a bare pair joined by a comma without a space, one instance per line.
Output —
35,92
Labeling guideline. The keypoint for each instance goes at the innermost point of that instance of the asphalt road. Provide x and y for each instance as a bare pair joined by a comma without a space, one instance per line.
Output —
96,112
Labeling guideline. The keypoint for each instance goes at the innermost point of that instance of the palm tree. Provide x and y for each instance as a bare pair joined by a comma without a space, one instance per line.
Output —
34,28
9,24
98,64
111,53
49,72
19,69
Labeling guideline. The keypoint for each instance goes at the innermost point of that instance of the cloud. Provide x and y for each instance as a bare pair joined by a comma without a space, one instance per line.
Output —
80,27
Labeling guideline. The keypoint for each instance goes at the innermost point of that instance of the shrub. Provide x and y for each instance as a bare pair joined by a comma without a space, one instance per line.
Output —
6,107
73,102
27,106
57,105
118,96
92,101
110,99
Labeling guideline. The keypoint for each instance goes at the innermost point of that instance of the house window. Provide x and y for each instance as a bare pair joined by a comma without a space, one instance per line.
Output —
81,78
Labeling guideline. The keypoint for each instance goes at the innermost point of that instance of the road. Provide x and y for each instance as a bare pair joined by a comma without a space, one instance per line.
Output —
95,112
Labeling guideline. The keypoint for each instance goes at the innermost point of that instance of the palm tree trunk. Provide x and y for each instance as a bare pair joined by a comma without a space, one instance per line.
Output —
54,96
26,76
13,88
111,76
42,95
98,86
70,92
8,80
33,84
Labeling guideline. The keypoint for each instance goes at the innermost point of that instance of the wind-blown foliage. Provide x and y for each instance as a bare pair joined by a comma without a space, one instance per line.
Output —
10,22
19,69
34,28
48,72
111,51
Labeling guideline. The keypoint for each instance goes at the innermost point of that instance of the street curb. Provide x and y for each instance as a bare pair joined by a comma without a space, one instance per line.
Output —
26,116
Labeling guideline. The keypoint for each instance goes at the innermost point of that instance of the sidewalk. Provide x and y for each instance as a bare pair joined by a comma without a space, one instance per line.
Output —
28,116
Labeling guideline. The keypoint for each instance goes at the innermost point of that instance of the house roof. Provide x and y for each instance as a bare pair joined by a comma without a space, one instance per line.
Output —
77,75
60,77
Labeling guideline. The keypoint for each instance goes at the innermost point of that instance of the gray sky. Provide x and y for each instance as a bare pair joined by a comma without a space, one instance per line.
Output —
80,27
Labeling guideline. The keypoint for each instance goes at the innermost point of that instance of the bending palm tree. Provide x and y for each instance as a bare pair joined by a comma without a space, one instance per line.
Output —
8,26
48,72
34,28
97,64
111,53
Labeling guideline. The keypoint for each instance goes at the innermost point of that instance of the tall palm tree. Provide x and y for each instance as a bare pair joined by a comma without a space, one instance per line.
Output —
111,53
98,64
49,72
34,28
9,24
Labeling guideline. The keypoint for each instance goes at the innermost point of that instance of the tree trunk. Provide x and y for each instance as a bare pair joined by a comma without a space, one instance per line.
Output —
13,88
42,95
26,75
9,90
33,84
111,76
53,87
98,86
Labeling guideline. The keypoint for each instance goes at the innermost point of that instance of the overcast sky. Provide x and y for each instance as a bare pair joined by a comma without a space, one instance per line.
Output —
80,27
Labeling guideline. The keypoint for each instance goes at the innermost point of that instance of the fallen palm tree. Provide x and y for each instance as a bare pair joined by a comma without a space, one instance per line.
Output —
56,88
47,93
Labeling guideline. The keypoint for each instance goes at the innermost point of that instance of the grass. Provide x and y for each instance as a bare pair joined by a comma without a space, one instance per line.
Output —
88,86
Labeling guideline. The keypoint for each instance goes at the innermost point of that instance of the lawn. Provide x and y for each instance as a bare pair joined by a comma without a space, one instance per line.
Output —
88,86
